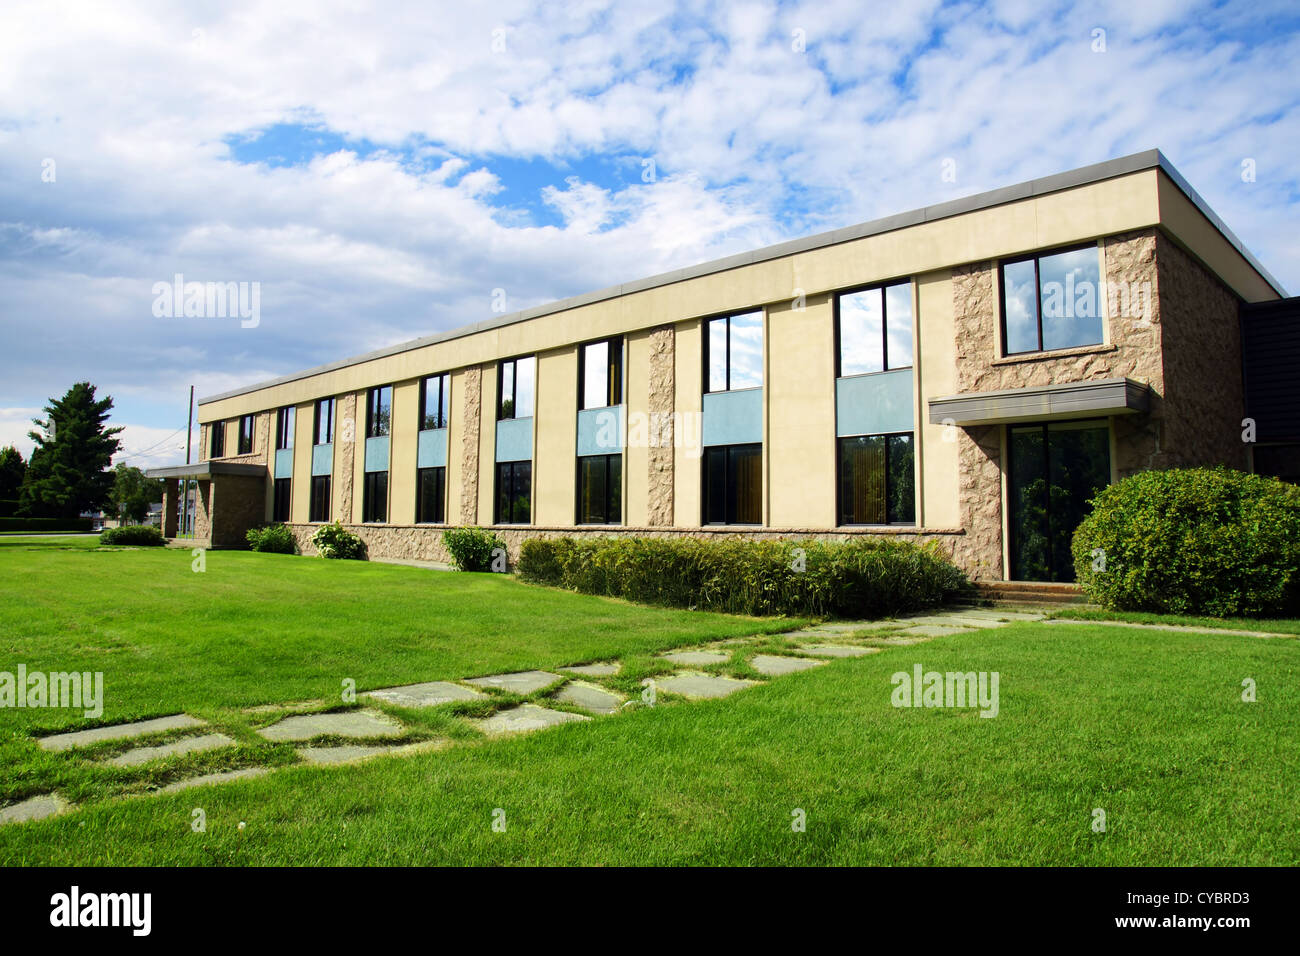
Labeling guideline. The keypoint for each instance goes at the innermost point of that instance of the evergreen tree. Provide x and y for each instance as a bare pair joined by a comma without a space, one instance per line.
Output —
12,469
68,472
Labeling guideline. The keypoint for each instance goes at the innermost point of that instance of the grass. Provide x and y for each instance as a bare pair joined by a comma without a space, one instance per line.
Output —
1147,725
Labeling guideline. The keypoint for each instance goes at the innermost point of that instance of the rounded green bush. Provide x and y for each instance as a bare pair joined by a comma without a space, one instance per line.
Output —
1193,541
472,549
133,534
335,541
273,538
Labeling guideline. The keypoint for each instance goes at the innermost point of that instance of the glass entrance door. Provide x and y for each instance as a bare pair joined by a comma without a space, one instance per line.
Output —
1055,469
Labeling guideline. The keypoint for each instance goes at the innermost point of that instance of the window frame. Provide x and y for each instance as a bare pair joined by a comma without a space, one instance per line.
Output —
287,485
251,420
761,312
441,498
513,362
328,499
839,483
614,368
217,439
496,491
369,499
704,486
373,395
1038,291
618,487
884,326
315,432
283,430
444,401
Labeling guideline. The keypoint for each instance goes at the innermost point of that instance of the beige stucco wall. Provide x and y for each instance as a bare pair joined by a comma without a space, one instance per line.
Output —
487,443
304,423
636,457
800,398
936,375
555,437
403,447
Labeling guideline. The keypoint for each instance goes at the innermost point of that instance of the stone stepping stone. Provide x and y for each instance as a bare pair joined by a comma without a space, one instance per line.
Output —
351,753
594,670
34,808
777,666
702,685
225,776
935,630
275,708
425,695
350,723
588,697
849,627
954,620
189,745
993,614
837,650
525,718
84,738
696,658
524,682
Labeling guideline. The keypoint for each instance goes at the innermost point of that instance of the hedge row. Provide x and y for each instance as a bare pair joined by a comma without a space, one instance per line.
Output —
45,524
861,579
1193,541
134,534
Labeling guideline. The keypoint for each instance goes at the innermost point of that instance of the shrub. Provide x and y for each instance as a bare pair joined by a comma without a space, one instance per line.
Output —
866,578
471,548
335,541
274,538
136,534
1193,541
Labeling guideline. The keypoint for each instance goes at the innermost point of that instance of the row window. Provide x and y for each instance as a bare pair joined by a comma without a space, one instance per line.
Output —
600,373
1052,301
217,445
324,428
435,400
284,428
514,492
431,496
516,381
281,500
877,480
374,503
733,351
379,411
320,498
600,489
245,435
733,484
873,329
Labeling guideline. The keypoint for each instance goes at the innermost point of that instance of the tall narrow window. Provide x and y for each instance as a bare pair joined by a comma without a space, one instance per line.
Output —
324,429
600,489
516,381
1052,301
431,492
733,484
877,480
217,446
874,329
514,492
284,428
733,348
320,498
246,435
374,507
379,405
281,500
600,373
434,401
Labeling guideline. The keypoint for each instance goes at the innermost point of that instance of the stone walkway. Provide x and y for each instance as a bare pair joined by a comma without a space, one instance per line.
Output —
572,694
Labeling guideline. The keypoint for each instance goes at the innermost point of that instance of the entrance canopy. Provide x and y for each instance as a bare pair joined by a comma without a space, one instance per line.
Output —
204,470
1093,399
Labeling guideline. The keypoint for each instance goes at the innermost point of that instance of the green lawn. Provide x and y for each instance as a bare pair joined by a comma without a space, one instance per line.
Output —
1146,725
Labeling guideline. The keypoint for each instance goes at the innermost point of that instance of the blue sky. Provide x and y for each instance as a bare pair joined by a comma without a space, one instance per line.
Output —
381,173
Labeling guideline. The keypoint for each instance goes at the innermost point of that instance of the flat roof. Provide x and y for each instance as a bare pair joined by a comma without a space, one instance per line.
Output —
1084,175
207,469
